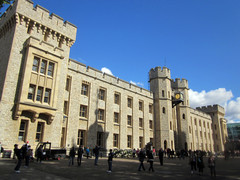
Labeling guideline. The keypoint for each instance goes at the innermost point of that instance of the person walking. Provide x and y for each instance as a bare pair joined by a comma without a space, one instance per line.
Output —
18,153
110,159
71,156
80,154
211,165
150,160
96,153
40,153
141,159
160,155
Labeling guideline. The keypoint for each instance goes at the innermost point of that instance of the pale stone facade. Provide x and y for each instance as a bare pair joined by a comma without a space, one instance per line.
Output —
45,96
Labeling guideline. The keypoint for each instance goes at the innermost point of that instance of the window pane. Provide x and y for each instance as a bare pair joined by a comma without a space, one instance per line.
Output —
50,69
39,94
35,64
43,67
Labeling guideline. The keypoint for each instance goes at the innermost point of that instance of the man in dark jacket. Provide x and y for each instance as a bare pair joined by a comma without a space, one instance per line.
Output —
110,158
96,152
160,153
80,154
18,153
71,156
141,159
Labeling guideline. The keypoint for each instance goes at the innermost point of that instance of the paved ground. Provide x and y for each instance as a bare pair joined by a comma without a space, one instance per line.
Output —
122,169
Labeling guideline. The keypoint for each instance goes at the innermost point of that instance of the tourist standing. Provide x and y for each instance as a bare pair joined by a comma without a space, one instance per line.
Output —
192,162
80,154
141,159
71,156
96,153
18,153
160,154
87,151
134,153
211,165
200,164
110,159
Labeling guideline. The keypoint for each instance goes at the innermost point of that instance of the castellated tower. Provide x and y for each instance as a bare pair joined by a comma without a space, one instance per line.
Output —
219,125
160,85
34,58
182,115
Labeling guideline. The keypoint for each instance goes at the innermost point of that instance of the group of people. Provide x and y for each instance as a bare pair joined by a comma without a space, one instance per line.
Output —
24,153
196,161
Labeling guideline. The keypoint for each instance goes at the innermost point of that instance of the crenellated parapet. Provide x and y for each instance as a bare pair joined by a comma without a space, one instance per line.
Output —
38,19
96,74
179,83
212,109
159,72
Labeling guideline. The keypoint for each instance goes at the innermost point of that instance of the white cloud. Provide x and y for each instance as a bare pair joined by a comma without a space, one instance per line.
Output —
137,83
218,96
107,71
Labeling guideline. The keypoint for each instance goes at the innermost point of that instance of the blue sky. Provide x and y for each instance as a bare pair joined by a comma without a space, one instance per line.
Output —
198,40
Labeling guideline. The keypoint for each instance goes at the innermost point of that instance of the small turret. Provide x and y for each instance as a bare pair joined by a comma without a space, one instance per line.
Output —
159,72
180,83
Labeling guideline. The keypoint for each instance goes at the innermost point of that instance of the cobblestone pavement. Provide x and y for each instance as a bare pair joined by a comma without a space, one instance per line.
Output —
122,169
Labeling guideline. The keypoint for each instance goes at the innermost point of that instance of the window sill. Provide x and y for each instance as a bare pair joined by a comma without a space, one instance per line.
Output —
116,124
83,119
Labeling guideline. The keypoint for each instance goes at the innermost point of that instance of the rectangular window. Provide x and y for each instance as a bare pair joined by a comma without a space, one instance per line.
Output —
116,98
129,102
140,105
115,140
81,138
140,142
100,137
35,66
129,141
150,108
140,122
163,93
65,108
150,124
31,91
116,117
47,96
83,111
101,114
39,94
68,84
43,67
129,120
39,132
84,90
22,135
101,94
50,69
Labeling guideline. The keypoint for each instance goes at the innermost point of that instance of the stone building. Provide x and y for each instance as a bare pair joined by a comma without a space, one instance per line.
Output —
46,96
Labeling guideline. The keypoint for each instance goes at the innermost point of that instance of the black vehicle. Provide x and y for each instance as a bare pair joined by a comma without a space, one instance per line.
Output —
49,153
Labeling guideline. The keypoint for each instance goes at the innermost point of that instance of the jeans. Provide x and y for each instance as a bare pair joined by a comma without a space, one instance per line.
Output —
18,164
96,159
110,165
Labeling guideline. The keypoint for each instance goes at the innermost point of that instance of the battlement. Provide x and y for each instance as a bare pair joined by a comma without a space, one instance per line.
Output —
24,11
212,109
159,72
179,83
107,78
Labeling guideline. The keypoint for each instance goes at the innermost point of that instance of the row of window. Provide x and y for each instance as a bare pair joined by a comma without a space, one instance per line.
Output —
43,66
38,93
116,117
81,140
200,123
102,96
22,135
